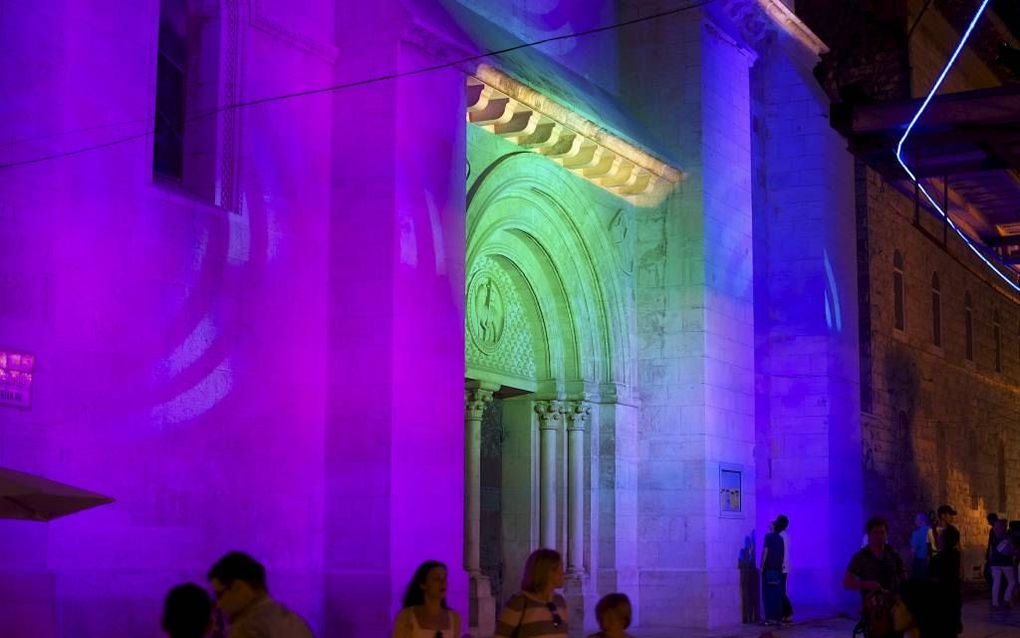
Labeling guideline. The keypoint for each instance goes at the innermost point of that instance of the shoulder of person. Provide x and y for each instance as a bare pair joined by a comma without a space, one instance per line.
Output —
404,616
454,616
517,602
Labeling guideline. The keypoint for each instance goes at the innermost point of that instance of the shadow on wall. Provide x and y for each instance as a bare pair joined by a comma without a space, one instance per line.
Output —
913,460
750,582
894,484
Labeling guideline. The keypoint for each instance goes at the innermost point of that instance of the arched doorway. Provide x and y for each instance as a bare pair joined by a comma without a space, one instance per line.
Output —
546,337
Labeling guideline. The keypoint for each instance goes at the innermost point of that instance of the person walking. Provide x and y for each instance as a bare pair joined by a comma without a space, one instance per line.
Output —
1001,561
947,582
537,611
986,569
772,555
782,528
877,566
921,540
424,612
876,571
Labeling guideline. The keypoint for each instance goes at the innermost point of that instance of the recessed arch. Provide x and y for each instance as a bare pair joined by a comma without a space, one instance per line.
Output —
524,210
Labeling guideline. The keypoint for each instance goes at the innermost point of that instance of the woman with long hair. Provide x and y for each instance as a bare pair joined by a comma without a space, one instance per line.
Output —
424,613
537,611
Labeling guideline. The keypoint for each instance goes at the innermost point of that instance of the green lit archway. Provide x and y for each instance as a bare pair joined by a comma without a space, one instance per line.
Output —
537,253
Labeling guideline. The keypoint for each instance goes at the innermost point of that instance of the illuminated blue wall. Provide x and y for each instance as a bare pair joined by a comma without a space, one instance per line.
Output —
808,452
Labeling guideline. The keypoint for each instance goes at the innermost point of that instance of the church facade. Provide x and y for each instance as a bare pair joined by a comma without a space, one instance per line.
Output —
395,281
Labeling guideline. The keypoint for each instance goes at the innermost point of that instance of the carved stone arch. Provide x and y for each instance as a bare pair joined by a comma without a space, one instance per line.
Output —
527,205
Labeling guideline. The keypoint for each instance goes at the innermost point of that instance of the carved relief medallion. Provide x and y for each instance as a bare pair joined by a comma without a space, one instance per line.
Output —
487,312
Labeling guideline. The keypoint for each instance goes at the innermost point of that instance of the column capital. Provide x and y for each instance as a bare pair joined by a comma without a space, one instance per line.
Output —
475,400
550,413
579,413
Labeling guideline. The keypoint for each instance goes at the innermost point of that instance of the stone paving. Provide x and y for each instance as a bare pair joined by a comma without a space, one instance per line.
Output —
978,618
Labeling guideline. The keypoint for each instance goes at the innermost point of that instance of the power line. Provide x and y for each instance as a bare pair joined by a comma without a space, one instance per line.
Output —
362,82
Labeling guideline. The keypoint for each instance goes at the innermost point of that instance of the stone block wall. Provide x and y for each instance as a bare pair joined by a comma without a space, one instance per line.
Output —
937,427
807,414
695,323
180,341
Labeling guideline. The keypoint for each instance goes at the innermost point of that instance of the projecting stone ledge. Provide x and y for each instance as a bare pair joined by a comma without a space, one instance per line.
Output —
522,115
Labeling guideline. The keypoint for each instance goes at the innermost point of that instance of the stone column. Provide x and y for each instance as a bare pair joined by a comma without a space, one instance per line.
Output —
578,413
549,417
482,607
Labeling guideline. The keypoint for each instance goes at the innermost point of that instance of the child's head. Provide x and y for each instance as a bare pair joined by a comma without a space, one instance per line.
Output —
613,612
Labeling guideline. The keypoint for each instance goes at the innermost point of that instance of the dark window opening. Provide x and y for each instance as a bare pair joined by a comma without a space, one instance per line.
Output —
168,147
898,292
997,336
968,327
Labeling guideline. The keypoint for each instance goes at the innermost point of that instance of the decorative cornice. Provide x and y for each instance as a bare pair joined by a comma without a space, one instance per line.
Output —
757,18
261,20
533,121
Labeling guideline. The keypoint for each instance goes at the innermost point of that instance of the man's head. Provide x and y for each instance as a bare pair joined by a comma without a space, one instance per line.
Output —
238,580
947,514
878,531
187,612
614,612
781,523
992,517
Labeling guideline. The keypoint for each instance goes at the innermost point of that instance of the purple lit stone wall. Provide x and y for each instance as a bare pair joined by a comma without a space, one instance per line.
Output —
807,390
395,425
180,345
276,364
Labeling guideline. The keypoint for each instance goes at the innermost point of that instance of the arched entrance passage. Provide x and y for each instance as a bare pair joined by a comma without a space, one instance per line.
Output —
546,343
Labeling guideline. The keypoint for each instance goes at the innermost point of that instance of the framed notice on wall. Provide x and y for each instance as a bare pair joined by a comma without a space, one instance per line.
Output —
16,378
731,496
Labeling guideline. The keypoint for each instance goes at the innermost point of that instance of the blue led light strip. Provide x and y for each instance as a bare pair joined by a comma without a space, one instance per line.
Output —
1010,279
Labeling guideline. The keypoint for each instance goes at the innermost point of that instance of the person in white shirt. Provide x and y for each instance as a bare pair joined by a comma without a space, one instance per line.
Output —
781,524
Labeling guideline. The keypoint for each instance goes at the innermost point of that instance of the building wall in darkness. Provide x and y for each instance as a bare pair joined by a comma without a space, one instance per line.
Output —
940,428
937,427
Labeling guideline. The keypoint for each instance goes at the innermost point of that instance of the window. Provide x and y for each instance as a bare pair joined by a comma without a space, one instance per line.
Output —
898,310
193,146
171,66
997,337
968,326
936,310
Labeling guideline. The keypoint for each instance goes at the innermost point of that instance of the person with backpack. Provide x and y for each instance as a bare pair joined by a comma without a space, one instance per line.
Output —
1000,559
877,572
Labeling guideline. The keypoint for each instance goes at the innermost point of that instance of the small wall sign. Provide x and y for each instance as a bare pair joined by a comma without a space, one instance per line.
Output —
16,378
730,494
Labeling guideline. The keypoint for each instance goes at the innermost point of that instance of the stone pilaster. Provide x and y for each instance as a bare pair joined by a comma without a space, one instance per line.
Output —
482,606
